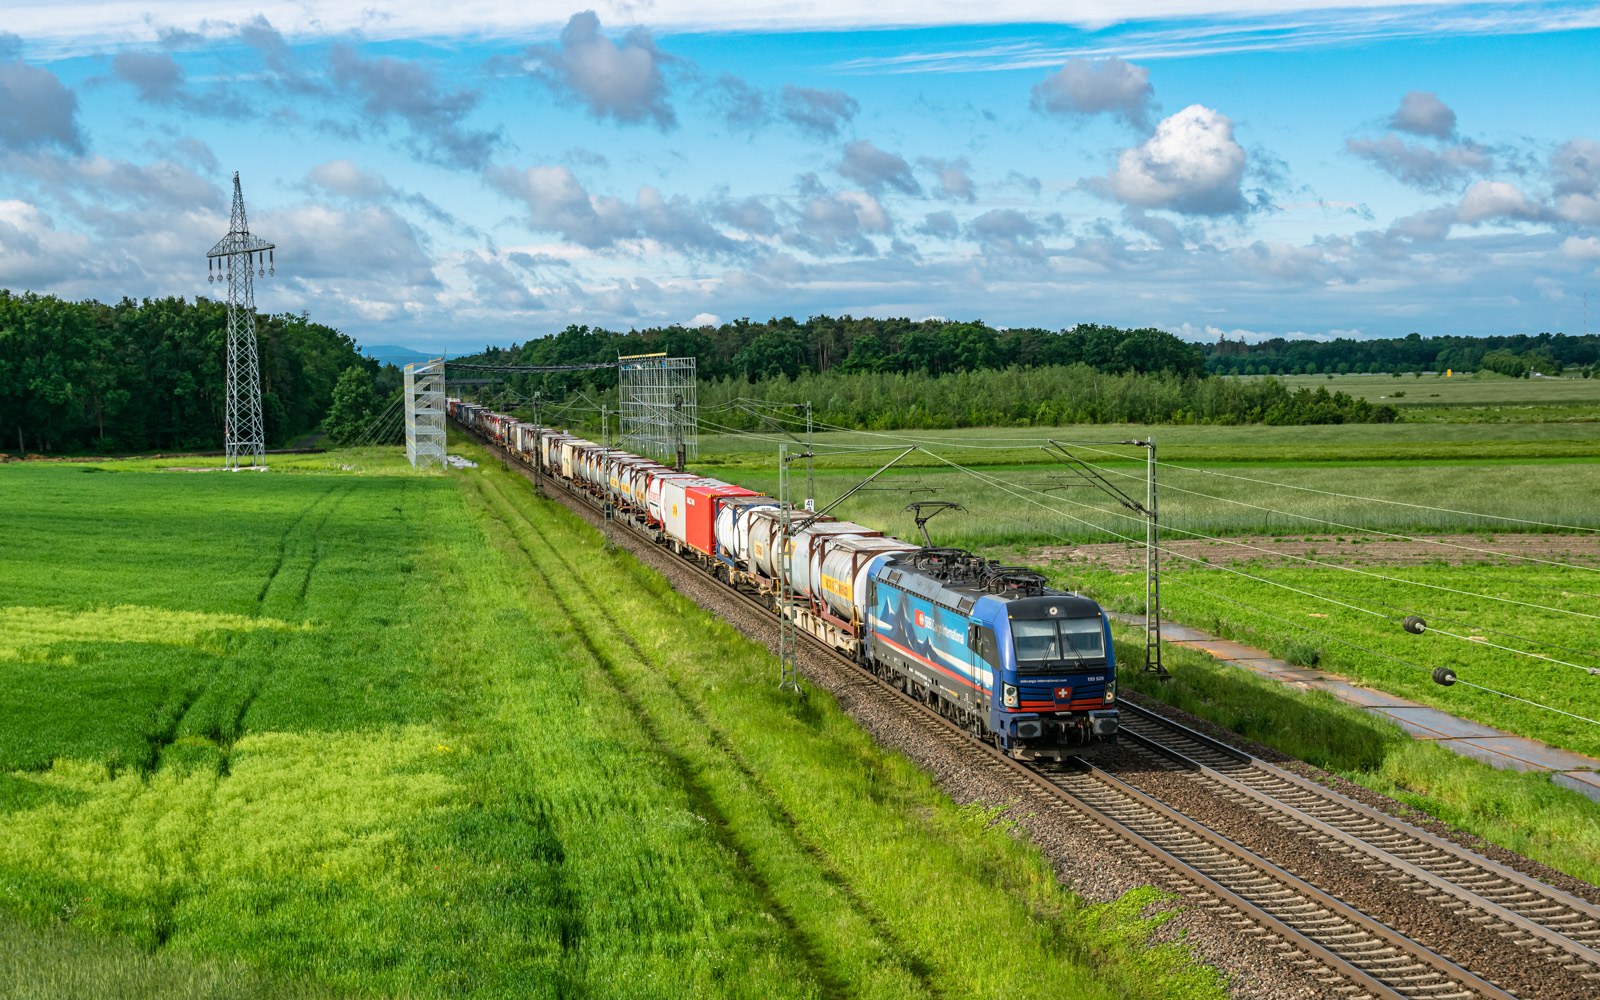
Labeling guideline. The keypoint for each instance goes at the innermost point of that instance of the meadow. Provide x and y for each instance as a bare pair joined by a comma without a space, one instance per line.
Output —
332,730
1433,390
1053,505
1306,626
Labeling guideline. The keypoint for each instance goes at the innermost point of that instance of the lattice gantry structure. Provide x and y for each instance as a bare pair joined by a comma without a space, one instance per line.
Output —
424,391
239,258
659,414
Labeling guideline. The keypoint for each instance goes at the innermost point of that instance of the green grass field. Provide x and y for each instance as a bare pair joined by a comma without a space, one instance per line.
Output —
1023,506
332,731
1377,652
1488,390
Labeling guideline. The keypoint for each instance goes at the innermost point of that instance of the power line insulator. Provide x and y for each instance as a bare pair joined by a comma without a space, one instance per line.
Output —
1444,676
1416,626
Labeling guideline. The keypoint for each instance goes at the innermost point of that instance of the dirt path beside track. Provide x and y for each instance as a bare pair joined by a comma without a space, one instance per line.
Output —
1348,550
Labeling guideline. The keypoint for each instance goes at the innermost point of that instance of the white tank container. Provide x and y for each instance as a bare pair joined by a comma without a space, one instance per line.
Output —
842,573
761,541
733,524
801,578
639,481
607,466
571,456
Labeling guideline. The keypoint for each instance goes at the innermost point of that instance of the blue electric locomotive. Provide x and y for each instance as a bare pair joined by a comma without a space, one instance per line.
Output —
1014,661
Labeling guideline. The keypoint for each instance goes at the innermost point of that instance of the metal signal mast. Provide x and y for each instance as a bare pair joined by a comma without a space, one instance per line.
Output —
242,257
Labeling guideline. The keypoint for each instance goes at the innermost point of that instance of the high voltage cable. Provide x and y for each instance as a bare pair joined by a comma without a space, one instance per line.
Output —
1260,579
1374,652
1323,520
1350,496
1396,659
1209,472
379,425
1415,583
1445,618
1347,569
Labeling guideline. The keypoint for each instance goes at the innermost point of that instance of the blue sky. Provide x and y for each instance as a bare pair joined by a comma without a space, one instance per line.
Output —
448,175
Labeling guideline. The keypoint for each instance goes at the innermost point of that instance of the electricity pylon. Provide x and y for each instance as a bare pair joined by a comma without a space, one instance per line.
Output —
240,254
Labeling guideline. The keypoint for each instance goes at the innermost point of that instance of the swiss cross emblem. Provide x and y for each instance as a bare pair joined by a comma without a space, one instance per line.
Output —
1063,694
922,620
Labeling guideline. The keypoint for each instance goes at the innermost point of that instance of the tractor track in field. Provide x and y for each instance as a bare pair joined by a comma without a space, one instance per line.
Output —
1427,936
703,802
283,545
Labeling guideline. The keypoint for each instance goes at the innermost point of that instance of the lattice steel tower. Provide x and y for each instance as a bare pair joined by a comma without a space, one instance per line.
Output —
242,256
659,406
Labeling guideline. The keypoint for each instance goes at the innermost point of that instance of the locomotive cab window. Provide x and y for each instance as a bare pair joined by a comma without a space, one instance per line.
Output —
1054,644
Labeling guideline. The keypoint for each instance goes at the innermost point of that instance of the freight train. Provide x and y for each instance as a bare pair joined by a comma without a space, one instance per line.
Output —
1024,666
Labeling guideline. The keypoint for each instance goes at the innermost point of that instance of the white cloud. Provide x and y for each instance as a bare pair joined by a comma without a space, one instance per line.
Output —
703,319
1581,247
1422,113
839,223
1420,166
1192,165
1575,173
558,203
1283,261
955,181
874,168
623,81
33,252
344,178
821,112
1095,86
337,248
1272,24
36,109
1488,200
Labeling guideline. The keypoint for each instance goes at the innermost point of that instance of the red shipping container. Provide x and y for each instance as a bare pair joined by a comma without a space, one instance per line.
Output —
700,522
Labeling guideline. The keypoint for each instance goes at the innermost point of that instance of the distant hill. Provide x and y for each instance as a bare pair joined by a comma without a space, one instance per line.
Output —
389,354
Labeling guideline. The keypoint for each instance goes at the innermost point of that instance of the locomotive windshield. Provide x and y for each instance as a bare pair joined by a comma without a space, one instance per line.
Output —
1055,643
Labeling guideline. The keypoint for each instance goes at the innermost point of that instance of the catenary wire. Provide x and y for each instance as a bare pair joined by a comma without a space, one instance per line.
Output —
1351,496
1396,659
1337,524
1260,579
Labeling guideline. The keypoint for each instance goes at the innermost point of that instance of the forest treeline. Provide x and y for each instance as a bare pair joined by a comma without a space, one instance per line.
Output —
1040,396
760,352
890,374
1517,356
148,376
788,348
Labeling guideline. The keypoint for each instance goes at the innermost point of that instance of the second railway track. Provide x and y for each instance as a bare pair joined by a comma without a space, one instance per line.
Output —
1550,939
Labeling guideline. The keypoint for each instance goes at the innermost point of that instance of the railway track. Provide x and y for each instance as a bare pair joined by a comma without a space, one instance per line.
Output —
1526,912
1348,951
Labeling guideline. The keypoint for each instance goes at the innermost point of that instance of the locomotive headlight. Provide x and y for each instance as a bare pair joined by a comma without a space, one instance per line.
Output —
1009,692
1111,691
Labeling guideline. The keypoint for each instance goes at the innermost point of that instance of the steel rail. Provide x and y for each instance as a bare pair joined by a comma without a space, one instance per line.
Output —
1552,919
1417,969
